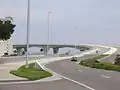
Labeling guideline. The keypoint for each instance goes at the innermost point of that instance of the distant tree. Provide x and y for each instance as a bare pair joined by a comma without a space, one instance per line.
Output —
6,29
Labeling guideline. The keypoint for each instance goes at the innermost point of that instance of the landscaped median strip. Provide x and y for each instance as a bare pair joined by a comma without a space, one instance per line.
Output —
31,73
94,63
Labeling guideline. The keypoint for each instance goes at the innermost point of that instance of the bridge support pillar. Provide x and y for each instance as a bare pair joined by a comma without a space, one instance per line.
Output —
25,49
45,50
21,51
55,50
18,51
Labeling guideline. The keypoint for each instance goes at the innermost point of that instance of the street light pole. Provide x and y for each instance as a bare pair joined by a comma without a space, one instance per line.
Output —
76,30
75,46
48,34
28,33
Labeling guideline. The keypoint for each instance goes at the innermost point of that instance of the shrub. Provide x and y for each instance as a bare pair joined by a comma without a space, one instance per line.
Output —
117,59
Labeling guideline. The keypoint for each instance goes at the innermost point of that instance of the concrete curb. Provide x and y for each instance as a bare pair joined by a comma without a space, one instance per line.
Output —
1,81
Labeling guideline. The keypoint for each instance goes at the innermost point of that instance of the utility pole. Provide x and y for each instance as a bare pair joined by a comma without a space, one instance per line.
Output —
28,33
48,34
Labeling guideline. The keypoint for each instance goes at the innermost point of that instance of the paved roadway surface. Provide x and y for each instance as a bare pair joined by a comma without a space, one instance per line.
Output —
112,57
23,58
54,85
96,79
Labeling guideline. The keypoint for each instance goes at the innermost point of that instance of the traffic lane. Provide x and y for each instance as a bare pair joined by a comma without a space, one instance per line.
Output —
19,59
112,57
54,85
113,75
110,74
102,50
11,60
70,70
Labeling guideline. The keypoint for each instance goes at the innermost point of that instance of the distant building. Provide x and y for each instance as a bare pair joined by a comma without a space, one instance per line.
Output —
7,18
6,46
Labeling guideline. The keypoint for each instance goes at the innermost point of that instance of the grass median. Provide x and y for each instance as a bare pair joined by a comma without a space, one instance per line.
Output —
31,73
94,63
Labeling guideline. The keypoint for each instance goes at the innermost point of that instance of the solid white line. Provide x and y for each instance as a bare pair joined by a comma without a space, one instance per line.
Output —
81,84
105,76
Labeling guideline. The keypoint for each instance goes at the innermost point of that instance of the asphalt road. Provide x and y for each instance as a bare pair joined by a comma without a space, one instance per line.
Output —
96,79
111,59
23,58
54,85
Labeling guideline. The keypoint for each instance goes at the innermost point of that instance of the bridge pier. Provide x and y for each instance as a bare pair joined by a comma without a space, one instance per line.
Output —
18,50
45,50
54,47
25,49
55,50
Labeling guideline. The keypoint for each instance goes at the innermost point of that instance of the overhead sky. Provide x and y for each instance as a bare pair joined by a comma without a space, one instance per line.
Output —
71,21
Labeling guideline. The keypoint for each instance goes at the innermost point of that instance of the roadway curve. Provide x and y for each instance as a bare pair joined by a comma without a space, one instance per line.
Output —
94,78
75,77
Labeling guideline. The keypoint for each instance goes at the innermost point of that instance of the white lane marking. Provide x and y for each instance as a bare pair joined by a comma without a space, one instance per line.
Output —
105,76
60,75
80,70
71,80
111,51
81,84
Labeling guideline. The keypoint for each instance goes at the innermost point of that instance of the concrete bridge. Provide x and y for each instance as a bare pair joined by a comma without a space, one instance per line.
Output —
54,46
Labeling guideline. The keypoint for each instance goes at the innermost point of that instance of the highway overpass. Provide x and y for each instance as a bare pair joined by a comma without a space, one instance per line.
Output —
55,47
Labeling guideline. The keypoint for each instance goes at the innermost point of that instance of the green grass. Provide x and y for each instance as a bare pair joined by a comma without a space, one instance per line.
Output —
96,58
93,63
31,73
